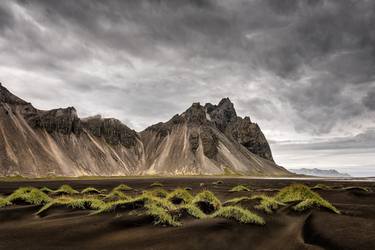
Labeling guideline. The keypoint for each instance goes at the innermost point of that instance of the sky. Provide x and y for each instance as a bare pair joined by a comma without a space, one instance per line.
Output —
304,70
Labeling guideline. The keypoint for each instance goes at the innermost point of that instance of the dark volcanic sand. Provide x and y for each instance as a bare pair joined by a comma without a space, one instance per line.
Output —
20,228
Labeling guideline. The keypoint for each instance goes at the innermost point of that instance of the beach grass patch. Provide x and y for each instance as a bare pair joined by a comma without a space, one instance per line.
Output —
158,192
266,203
28,195
122,188
46,190
240,215
90,190
156,184
65,190
239,188
161,215
192,210
303,194
218,182
237,200
74,203
4,202
207,202
321,187
356,188
180,196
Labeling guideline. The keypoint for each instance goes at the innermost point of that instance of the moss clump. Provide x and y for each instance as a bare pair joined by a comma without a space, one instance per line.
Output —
321,187
301,193
239,188
66,189
266,203
90,190
217,182
122,187
207,202
156,184
80,203
239,214
180,196
311,203
236,200
158,192
46,190
29,195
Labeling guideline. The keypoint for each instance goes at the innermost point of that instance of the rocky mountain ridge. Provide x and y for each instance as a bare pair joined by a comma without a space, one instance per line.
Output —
209,139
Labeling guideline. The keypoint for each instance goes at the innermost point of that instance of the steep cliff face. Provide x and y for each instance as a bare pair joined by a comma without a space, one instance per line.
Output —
208,139
242,130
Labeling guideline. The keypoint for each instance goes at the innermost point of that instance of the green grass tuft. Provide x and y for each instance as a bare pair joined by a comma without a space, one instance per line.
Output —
66,189
207,202
239,188
301,193
156,184
236,200
122,187
239,214
90,190
180,196
266,203
29,195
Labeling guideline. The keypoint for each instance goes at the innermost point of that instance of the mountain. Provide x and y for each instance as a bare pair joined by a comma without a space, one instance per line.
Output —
319,172
209,139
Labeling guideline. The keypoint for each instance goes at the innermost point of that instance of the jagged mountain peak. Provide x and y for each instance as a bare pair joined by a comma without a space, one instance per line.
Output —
209,139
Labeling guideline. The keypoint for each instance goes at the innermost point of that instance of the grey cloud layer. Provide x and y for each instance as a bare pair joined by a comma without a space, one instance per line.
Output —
304,66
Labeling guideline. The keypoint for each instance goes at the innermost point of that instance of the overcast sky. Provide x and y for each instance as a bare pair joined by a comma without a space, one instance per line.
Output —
304,70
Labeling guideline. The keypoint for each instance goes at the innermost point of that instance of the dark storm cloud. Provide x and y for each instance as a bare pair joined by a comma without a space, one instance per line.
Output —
309,64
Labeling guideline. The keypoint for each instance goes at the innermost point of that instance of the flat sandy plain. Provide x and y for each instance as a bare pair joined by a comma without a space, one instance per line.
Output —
21,228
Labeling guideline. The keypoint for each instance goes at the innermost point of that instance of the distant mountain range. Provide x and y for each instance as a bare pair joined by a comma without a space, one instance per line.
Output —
319,172
204,140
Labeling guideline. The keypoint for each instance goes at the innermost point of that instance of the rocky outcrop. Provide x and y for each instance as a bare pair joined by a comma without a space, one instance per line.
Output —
112,130
250,136
63,121
242,130
209,139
